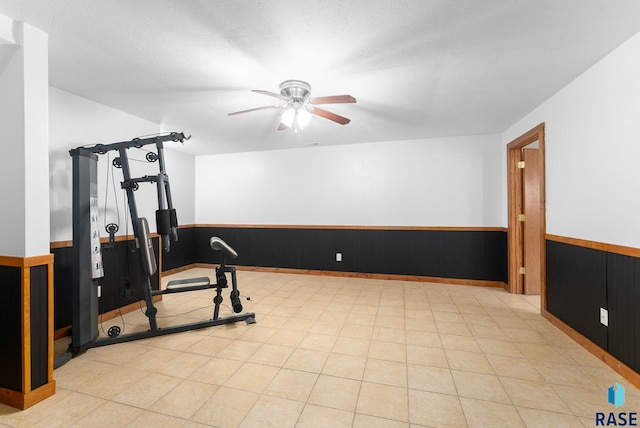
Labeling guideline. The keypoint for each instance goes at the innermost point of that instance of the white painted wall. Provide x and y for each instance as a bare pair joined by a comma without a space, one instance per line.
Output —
12,173
77,121
592,144
36,135
23,119
593,151
430,182
8,44
6,31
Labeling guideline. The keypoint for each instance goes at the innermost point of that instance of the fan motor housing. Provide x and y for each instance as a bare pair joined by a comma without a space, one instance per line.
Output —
295,89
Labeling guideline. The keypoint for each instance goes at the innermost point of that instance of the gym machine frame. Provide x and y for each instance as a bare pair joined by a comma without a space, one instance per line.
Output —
84,330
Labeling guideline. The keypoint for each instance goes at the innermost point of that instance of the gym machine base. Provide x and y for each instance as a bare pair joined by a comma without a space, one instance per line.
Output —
194,284
87,262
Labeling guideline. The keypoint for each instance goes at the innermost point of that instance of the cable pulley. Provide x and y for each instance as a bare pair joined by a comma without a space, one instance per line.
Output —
111,229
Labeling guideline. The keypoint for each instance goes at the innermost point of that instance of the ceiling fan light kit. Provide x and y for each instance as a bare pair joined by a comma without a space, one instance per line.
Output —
299,105
297,116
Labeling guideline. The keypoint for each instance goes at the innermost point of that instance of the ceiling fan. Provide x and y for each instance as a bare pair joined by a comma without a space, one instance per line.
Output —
299,105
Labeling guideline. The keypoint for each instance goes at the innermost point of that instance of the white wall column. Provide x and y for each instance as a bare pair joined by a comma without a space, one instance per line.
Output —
24,131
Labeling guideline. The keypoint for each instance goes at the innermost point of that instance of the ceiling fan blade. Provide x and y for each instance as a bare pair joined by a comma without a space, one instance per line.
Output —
333,99
271,94
331,116
252,109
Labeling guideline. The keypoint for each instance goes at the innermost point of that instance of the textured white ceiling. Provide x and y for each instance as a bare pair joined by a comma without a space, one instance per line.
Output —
418,68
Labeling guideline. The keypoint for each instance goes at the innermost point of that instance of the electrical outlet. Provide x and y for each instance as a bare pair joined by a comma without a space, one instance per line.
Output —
338,257
604,317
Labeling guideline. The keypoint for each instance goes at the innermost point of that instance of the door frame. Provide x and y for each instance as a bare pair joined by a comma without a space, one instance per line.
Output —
514,195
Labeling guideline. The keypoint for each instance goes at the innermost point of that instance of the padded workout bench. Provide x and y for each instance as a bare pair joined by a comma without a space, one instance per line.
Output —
192,284
203,283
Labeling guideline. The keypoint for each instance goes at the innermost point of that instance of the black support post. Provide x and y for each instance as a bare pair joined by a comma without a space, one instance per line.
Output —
84,287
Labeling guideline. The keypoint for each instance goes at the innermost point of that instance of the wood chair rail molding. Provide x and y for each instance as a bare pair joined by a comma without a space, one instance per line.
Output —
610,248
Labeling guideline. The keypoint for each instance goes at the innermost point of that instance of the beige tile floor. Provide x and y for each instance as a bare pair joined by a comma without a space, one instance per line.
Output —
336,352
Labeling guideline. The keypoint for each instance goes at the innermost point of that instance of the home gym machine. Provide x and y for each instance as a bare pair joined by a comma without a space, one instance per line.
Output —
87,259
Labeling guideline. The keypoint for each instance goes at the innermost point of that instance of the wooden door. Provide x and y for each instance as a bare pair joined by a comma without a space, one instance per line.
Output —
532,225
